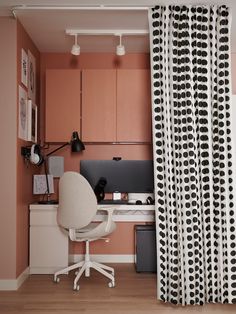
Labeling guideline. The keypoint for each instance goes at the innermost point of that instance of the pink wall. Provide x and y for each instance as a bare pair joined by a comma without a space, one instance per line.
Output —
8,148
124,231
24,171
16,178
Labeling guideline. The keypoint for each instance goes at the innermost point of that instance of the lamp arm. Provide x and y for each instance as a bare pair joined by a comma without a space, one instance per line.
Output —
46,174
58,148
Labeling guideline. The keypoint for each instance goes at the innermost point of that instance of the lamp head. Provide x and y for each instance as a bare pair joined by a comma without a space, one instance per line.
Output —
76,144
75,50
120,49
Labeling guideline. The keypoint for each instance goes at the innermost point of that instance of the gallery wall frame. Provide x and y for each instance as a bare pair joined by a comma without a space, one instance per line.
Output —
31,76
24,68
22,113
32,121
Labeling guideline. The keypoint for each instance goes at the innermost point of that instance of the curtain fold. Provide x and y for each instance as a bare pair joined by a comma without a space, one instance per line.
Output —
192,147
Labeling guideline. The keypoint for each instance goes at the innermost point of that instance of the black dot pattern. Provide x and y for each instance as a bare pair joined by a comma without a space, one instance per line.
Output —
194,189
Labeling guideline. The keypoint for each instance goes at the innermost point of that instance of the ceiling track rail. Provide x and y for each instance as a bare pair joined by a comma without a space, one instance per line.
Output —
115,32
80,8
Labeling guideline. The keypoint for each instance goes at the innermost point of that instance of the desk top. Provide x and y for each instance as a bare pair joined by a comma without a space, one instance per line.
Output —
126,207
119,207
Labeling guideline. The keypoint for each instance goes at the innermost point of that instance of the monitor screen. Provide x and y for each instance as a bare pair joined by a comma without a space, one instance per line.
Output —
126,176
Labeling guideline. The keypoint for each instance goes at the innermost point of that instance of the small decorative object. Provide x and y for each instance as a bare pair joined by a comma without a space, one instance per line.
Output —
56,166
31,76
22,114
40,185
32,121
24,67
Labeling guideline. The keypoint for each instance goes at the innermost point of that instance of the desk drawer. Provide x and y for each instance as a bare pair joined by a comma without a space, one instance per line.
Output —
43,218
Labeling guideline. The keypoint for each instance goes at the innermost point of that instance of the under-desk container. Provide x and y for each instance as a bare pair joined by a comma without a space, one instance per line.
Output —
146,253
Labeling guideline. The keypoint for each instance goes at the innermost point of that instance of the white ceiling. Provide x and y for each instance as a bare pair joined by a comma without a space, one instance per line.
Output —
47,27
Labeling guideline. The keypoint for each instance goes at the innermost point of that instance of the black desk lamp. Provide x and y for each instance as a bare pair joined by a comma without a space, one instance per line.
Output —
34,156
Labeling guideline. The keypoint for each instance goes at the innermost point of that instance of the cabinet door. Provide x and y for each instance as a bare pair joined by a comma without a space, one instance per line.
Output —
133,106
62,104
99,105
48,249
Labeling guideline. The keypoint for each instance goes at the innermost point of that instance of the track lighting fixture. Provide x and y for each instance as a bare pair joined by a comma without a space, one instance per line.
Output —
120,49
75,50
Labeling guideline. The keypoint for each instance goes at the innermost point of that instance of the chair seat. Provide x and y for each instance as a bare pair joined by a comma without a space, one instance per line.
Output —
94,231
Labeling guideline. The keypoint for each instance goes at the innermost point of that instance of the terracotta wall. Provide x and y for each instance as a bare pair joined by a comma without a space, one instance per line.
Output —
16,177
122,240
8,148
24,171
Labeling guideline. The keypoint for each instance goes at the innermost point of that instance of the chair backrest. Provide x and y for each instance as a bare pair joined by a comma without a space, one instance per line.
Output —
77,201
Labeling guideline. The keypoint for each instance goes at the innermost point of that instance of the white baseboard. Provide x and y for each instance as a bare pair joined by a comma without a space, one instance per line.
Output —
105,258
45,270
14,284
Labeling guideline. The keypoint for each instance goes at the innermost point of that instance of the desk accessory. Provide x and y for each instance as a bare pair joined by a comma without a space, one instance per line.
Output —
56,166
116,195
40,184
141,198
99,189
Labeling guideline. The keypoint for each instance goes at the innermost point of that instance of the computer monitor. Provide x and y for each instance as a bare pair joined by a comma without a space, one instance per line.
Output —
126,176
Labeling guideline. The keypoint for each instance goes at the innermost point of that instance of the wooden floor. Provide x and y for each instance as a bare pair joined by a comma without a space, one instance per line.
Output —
134,293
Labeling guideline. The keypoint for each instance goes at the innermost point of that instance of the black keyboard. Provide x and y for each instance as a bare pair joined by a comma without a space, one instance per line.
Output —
110,202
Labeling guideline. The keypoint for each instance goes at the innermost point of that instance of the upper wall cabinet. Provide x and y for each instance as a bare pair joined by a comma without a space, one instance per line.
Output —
116,106
133,106
99,105
63,88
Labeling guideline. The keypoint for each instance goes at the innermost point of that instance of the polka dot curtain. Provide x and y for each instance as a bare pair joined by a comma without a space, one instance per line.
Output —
194,190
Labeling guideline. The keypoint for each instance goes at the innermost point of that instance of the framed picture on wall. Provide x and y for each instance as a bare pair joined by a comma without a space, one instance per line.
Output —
31,76
24,68
22,114
32,121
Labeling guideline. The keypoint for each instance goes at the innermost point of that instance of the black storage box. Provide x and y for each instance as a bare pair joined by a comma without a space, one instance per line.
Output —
145,244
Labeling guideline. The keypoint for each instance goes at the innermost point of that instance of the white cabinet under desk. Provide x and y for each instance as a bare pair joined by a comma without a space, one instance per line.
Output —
48,242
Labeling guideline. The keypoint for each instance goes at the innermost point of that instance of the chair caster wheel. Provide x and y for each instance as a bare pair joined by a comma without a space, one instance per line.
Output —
76,288
111,284
56,279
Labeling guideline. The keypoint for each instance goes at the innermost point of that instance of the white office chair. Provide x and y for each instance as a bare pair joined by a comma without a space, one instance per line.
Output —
76,211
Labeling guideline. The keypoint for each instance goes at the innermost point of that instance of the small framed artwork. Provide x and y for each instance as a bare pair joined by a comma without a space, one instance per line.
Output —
31,76
22,114
24,68
32,121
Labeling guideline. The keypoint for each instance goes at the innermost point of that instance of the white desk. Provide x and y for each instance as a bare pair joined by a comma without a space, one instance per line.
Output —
48,242
142,213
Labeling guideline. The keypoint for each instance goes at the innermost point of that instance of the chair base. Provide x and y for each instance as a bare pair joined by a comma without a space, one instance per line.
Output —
84,267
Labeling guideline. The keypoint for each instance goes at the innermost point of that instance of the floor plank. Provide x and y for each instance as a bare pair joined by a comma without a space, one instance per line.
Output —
134,293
